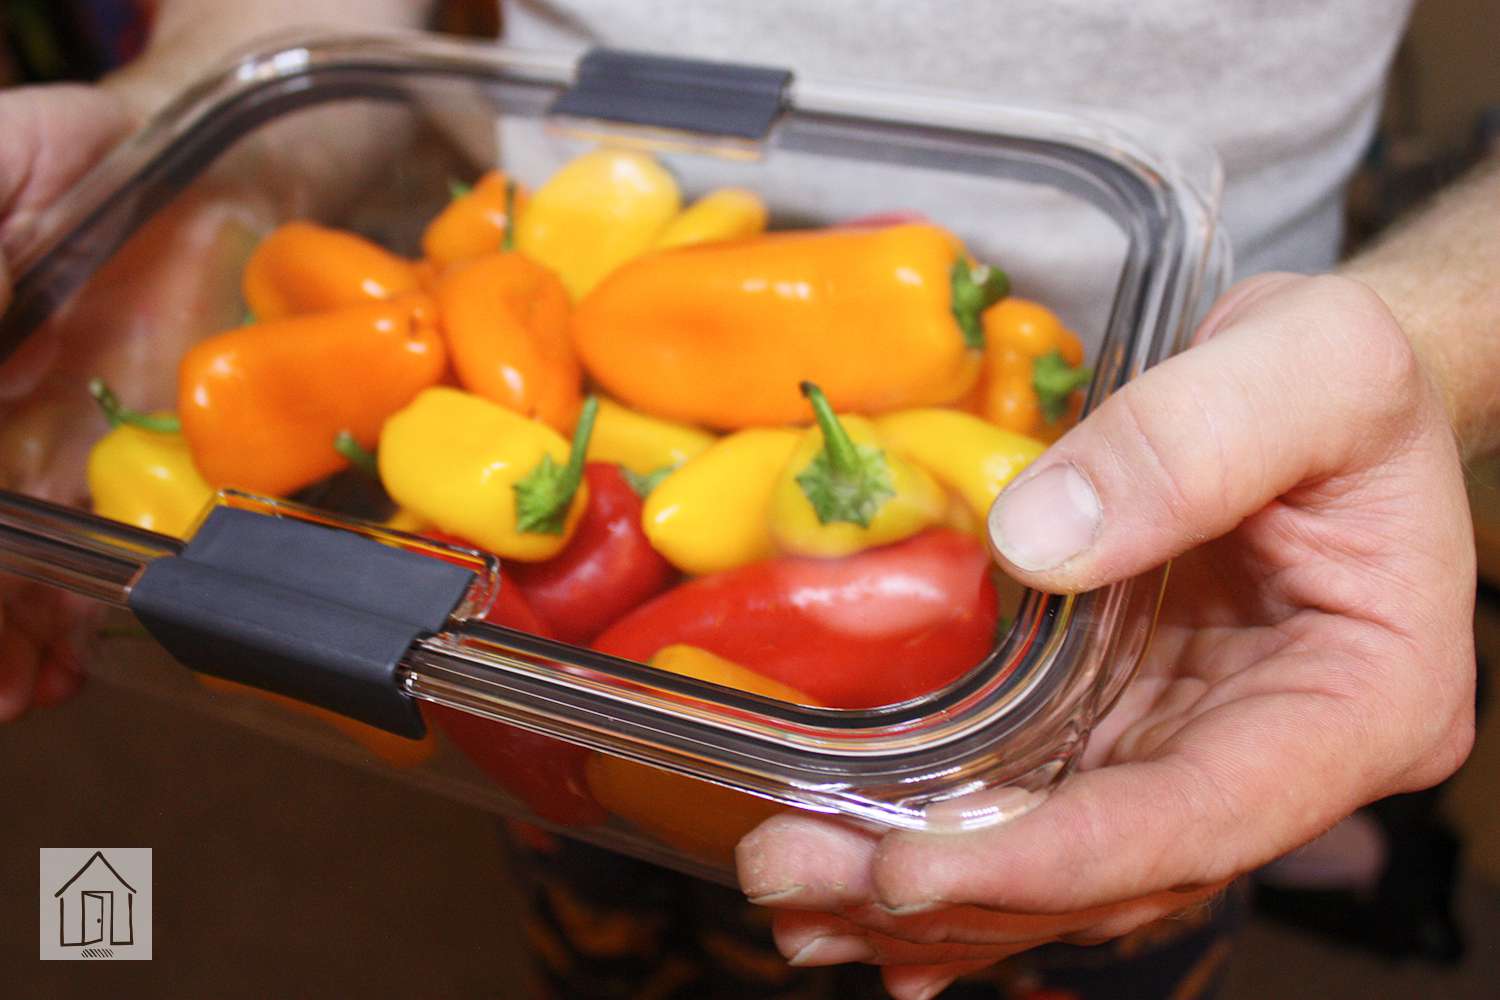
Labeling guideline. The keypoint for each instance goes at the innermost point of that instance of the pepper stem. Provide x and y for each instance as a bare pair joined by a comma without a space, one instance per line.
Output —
508,240
458,189
1054,381
543,497
358,455
842,455
975,289
117,414
844,481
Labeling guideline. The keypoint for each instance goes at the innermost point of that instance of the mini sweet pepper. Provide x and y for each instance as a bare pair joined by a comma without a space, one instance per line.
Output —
841,493
725,214
142,471
487,474
476,222
303,267
721,334
969,456
642,444
595,213
1033,370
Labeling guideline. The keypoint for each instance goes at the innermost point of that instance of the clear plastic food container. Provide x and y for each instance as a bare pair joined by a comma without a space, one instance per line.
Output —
821,665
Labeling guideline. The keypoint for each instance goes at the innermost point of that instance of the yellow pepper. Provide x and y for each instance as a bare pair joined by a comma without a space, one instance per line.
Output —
712,514
840,493
475,469
594,214
700,819
725,214
643,444
142,472
967,454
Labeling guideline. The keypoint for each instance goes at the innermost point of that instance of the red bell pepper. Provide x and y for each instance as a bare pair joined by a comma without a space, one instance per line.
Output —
607,569
874,628
546,774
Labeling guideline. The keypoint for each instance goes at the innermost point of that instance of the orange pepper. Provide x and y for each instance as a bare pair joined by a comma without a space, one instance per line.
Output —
723,334
303,267
262,405
506,321
693,816
475,222
1033,371
397,751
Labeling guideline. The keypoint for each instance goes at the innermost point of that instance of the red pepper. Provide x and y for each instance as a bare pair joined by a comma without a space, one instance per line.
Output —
607,569
544,773
874,628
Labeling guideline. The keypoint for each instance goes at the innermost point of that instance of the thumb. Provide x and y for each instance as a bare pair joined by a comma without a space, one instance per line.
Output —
1277,393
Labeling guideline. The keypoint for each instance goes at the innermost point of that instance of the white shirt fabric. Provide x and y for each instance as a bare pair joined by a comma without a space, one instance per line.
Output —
1287,91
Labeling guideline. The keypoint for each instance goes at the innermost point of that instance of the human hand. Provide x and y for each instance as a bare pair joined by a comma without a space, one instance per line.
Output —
1314,653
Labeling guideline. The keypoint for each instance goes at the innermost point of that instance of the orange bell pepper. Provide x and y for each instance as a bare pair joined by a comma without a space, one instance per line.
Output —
722,334
700,819
303,268
1033,371
262,405
506,320
475,222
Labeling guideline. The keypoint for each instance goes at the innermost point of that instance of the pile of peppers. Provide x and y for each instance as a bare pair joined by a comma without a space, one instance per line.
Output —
761,459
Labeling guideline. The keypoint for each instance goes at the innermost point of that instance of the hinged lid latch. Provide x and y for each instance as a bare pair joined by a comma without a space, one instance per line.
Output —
690,95
311,612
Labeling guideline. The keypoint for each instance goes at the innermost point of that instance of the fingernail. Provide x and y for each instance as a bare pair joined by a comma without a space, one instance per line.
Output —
833,950
778,897
1045,520
910,909
934,988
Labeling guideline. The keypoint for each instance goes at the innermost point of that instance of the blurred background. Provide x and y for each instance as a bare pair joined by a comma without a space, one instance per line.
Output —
279,872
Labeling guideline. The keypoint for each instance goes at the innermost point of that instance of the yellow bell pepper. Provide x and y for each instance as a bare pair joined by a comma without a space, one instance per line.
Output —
712,514
725,214
967,454
594,214
142,472
841,493
695,817
477,470
643,444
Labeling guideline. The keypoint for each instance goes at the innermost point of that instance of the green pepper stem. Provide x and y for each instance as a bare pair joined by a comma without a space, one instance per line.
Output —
836,441
358,455
508,240
458,189
975,289
542,498
1054,380
118,414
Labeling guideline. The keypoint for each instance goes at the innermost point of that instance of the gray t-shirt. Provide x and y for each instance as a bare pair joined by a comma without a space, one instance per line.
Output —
1287,91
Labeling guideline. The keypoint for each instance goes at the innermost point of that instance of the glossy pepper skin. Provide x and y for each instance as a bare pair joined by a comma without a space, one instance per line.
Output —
545,774
874,628
476,222
695,817
467,466
973,458
841,492
262,405
724,214
506,322
722,334
305,268
595,213
142,472
607,569
641,443
713,514
1033,373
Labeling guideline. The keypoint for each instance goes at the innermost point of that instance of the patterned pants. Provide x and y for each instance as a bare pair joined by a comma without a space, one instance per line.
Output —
604,926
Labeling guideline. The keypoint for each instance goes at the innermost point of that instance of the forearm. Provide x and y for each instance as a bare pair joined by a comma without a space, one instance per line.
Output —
190,36
1440,275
